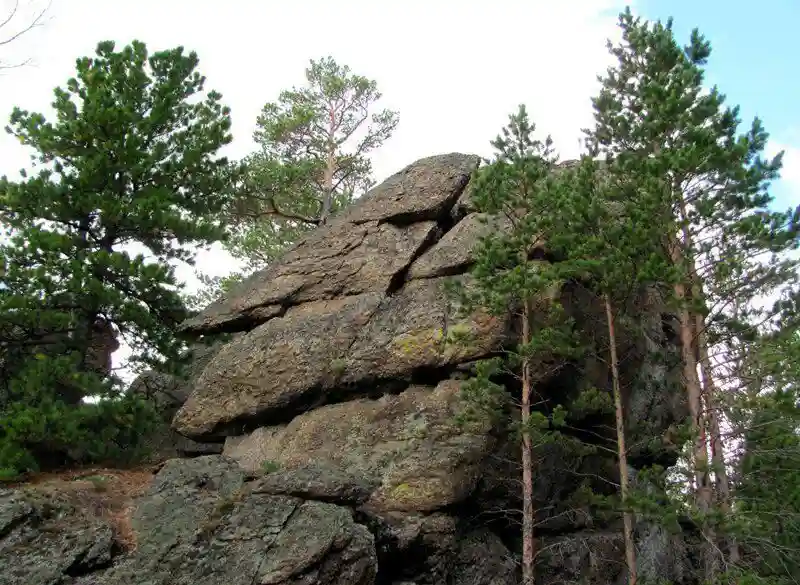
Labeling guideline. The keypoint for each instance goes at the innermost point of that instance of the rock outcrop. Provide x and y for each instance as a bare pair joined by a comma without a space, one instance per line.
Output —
337,401
168,392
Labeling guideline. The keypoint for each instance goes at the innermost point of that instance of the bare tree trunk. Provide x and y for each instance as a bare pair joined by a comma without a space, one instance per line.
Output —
717,452
527,459
330,167
694,388
627,516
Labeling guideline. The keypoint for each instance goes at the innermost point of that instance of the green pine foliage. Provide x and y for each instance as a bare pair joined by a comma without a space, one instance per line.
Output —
764,415
313,159
520,194
517,190
125,177
668,133
664,134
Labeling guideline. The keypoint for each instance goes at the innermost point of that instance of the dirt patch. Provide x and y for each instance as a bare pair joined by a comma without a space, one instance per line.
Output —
102,493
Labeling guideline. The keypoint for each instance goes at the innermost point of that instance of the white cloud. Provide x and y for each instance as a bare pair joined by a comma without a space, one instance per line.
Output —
453,69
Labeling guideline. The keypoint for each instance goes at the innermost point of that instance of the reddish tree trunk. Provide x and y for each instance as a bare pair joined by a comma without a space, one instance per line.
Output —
717,447
330,167
627,516
528,547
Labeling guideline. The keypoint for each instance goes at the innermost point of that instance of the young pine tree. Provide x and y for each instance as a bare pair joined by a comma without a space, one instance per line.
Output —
516,193
612,237
128,176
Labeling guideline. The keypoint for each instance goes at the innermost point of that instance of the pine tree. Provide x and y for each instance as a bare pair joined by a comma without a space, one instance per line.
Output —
676,138
515,192
129,162
610,234
763,417
313,159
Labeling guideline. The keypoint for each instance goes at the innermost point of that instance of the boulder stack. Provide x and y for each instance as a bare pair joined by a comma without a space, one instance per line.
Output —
336,402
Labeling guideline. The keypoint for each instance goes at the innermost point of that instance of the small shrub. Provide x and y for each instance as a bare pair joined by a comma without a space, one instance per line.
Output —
338,367
99,482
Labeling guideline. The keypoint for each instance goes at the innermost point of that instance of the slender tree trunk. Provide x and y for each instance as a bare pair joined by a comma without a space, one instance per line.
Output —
330,167
717,452
694,392
527,459
627,516
690,355
694,387
702,487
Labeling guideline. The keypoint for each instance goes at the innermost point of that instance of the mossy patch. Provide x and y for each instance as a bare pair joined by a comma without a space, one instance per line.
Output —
423,341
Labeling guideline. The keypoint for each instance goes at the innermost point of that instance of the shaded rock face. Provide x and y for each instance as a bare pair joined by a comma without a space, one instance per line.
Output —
337,401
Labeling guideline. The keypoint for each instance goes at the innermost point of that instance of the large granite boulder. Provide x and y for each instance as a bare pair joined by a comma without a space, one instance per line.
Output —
342,382
406,446
286,364
362,250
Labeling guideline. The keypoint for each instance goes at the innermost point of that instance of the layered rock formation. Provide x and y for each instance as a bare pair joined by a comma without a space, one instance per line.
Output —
337,401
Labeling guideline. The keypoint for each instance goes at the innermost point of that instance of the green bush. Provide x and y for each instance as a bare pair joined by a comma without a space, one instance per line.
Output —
39,430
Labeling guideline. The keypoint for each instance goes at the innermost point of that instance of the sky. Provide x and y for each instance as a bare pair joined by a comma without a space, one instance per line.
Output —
454,69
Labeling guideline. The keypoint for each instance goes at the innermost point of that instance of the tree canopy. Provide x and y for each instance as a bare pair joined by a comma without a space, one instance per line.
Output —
123,178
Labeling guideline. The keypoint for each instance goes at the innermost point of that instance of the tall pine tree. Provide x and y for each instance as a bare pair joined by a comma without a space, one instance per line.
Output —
515,193
313,159
672,136
612,238
126,176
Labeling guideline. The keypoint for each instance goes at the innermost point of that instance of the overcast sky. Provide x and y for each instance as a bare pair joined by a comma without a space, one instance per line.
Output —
454,69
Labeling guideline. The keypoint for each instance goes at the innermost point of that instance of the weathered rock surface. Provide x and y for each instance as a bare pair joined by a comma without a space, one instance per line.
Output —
47,540
319,346
360,251
407,447
279,364
203,522
453,253
409,332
